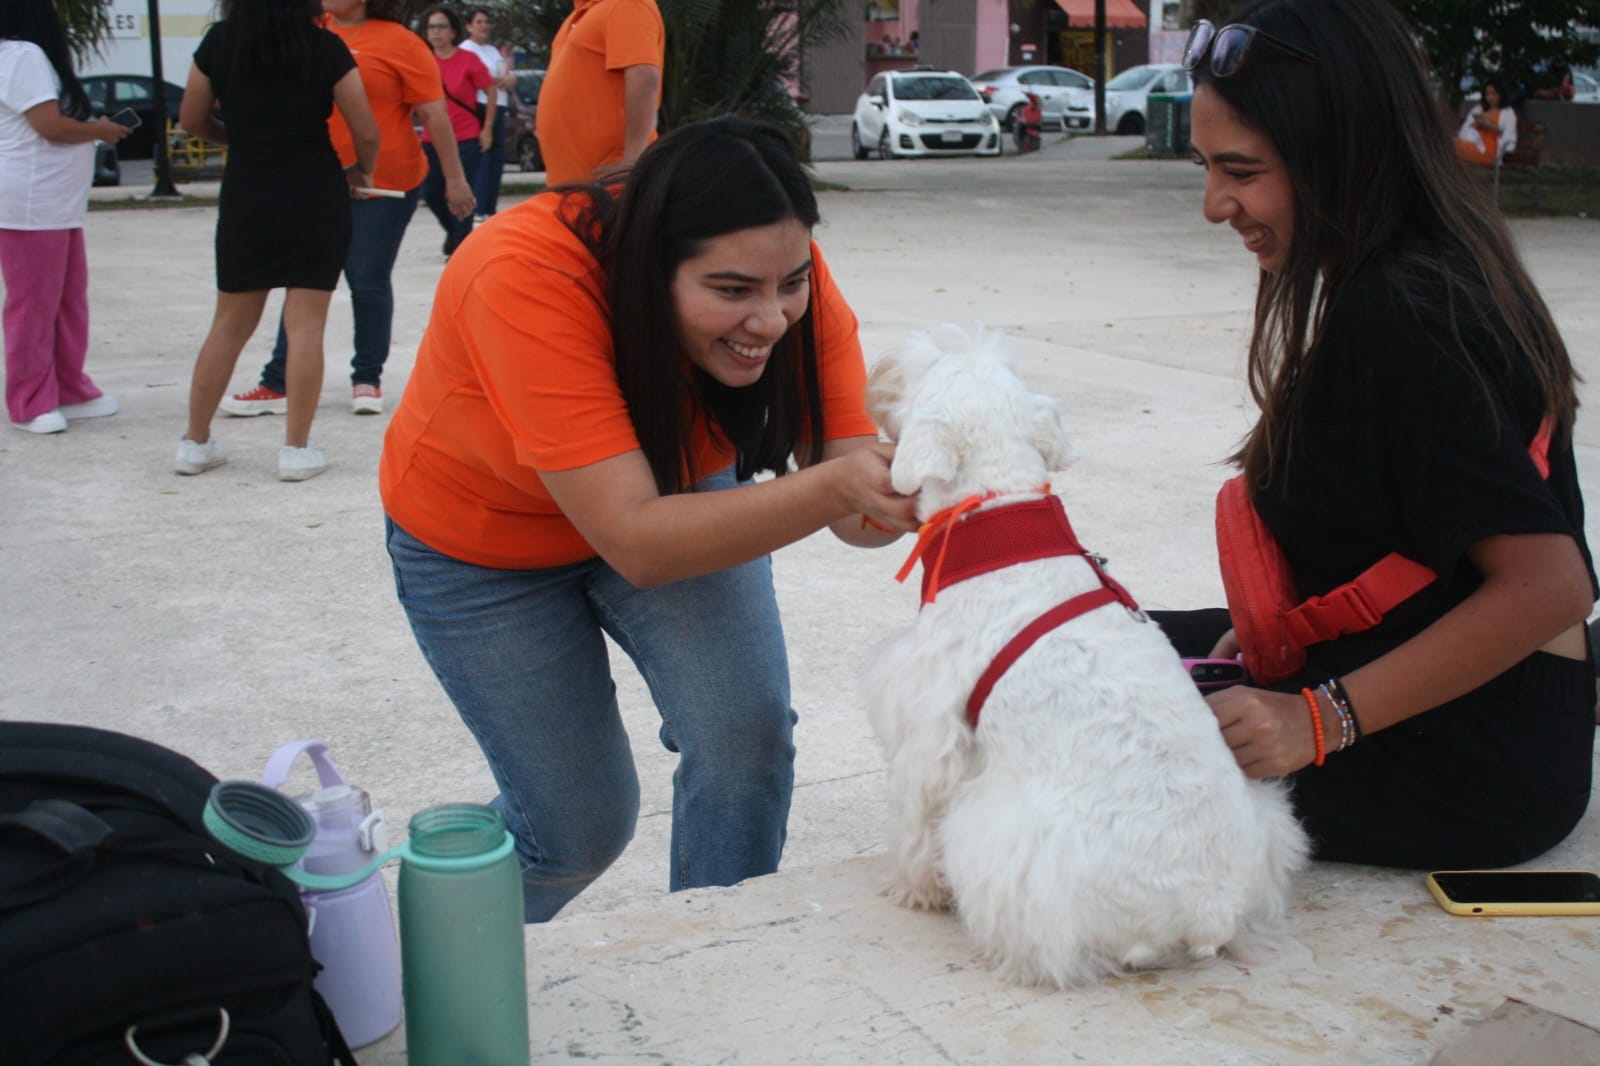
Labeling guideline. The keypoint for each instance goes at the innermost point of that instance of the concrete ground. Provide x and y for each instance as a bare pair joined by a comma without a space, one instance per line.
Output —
225,614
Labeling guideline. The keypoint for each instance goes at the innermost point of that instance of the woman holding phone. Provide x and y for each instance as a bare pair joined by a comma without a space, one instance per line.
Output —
46,165
283,220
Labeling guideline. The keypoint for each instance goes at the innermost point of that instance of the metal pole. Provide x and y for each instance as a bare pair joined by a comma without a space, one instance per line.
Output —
158,136
1099,66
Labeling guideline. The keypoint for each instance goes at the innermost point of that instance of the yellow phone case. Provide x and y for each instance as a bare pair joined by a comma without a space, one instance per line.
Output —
1472,909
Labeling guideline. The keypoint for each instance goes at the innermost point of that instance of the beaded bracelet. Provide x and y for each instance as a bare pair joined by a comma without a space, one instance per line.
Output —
1347,729
1337,691
1316,726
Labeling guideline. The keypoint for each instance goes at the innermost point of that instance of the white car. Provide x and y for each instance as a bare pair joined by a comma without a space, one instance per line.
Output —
1004,89
1588,89
922,112
1127,97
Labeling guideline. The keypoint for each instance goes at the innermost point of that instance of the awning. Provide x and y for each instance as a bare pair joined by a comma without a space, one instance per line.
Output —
1120,14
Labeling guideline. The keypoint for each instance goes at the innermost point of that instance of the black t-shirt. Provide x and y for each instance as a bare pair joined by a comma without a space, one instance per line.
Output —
279,121
1416,415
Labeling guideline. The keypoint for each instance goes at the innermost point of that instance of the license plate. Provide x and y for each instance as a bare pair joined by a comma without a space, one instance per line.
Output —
951,136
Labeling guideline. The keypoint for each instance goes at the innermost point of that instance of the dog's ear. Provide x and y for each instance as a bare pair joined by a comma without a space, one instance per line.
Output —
886,394
927,451
1049,436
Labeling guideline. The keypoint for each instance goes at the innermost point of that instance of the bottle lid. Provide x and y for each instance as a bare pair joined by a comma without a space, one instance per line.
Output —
458,833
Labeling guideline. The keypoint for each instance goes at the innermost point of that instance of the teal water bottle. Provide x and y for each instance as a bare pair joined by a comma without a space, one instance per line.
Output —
462,959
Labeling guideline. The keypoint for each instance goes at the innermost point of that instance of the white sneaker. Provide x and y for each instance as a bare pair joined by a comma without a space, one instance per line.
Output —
298,464
198,458
49,422
99,407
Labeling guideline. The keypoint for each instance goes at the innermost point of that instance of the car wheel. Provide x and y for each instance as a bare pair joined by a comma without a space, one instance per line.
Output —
1012,117
885,147
857,149
1131,125
528,156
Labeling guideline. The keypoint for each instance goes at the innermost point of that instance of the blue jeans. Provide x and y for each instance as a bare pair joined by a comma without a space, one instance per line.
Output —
492,166
521,654
455,229
377,227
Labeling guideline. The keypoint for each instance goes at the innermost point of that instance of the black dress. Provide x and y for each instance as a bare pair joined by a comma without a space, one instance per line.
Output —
284,213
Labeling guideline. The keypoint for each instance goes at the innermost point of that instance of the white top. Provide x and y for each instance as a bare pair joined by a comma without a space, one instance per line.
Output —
1507,124
490,57
43,185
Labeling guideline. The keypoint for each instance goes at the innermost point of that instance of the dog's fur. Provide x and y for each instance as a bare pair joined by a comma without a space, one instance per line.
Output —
1095,822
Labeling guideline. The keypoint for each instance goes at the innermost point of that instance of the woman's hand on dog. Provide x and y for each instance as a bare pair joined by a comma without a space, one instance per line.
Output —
875,514
1269,733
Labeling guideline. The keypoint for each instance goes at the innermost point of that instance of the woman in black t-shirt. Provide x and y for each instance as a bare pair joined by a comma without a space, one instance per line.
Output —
1403,362
283,219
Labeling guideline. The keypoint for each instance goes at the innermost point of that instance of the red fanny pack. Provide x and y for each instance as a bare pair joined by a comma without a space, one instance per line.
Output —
1273,625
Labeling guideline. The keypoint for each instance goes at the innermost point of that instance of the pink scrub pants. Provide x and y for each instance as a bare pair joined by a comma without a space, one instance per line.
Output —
46,320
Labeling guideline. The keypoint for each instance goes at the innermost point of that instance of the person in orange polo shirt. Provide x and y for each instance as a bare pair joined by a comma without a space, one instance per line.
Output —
402,82
575,456
598,103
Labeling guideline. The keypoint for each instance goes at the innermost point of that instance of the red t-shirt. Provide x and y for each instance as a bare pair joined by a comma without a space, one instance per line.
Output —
463,75
516,374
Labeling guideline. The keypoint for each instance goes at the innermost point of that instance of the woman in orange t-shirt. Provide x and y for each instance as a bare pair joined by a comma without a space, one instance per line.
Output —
574,457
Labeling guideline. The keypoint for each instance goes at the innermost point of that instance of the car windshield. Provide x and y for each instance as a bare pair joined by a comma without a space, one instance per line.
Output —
1133,78
934,87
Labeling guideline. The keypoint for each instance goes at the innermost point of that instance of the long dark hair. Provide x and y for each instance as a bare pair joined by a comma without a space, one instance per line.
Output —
36,21
699,182
271,38
1366,145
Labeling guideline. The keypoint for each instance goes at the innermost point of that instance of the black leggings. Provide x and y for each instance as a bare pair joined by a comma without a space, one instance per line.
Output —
1494,778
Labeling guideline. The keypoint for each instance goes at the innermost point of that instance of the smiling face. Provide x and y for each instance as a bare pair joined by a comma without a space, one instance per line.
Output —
739,296
1247,184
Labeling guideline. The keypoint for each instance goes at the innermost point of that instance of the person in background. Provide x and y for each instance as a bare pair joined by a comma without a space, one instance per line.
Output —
1417,399
1490,128
597,109
575,456
463,77
491,167
402,83
46,164
283,216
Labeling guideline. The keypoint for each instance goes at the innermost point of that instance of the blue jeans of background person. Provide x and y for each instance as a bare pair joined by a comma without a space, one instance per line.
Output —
456,229
491,167
377,226
522,656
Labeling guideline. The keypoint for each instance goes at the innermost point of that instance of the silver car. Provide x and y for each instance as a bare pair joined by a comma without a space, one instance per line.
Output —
1127,97
1005,90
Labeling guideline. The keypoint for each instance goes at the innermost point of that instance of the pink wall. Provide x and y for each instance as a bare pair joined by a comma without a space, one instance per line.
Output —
992,46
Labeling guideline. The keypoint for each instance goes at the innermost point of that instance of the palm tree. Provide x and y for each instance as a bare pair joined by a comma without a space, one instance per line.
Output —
88,23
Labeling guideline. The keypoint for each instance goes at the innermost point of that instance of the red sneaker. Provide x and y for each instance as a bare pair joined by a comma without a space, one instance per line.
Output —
366,400
258,401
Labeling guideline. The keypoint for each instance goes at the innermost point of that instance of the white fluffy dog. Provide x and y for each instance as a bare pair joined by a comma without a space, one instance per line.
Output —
1094,821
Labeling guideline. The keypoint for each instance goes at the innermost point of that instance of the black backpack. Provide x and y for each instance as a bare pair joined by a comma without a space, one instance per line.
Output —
123,926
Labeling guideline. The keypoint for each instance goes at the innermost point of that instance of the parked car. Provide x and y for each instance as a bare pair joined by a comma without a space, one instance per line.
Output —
522,138
1588,89
1127,97
110,93
107,168
922,112
1004,89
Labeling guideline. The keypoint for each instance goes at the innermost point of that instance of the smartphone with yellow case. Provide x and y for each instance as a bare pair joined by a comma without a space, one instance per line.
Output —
1516,892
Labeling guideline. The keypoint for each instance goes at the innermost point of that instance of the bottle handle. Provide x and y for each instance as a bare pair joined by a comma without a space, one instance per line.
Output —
278,766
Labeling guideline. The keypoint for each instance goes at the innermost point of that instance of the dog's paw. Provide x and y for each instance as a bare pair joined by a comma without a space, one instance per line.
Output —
918,897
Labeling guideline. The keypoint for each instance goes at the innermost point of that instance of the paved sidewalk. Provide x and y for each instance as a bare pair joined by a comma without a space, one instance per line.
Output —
225,614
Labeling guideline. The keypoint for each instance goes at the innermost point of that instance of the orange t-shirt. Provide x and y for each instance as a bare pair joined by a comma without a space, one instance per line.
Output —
582,121
516,373
398,72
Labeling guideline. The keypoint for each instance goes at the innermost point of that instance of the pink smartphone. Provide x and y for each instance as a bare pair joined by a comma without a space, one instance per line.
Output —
1210,675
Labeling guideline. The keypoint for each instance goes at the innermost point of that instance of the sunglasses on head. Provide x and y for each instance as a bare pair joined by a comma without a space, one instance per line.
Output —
1229,46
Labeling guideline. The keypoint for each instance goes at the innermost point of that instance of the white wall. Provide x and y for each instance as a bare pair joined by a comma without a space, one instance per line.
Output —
183,23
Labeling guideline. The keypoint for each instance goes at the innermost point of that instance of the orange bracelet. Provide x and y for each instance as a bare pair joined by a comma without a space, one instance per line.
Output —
1316,725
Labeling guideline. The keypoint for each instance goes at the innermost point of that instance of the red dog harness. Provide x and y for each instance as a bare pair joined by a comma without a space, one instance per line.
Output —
1273,626
976,543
